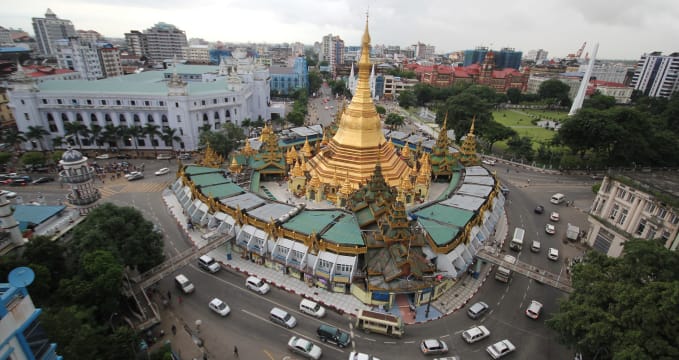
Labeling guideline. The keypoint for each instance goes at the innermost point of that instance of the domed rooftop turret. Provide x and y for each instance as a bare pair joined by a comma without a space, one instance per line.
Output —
71,155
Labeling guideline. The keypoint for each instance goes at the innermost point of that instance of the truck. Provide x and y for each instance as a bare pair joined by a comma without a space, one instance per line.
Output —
572,232
502,273
517,240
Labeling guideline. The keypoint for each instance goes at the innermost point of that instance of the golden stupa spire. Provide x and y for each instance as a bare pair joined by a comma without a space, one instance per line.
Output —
315,181
425,170
291,155
360,124
406,183
405,152
346,187
471,129
297,170
235,167
306,150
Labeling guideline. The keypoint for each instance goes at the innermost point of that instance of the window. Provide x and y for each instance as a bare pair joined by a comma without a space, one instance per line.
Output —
135,118
147,103
662,212
53,127
28,118
205,117
93,117
614,212
217,125
59,101
79,118
121,118
324,265
621,193
214,101
343,268
641,227
88,101
226,100
651,232
74,101
118,102
675,219
176,104
216,115
650,207
44,101
181,132
50,117
133,103
631,197
665,235
179,118
163,118
161,103
623,217
202,102
64,117
23,102
107,117
103,102
149,118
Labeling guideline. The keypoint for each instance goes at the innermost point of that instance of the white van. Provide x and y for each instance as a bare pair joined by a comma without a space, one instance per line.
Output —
257,285
311,308
557,198
207,263
183,283
517,240
281,317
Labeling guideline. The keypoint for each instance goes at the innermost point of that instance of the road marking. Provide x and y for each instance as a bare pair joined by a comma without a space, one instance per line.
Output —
290,330
269,355
459,331
409,342
390,342
444,336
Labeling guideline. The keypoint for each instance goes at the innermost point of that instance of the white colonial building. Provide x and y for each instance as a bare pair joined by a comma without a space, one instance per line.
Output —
185,98
635,205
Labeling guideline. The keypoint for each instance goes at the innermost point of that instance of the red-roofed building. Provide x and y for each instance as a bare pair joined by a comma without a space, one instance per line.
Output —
482,74
621,92
44,73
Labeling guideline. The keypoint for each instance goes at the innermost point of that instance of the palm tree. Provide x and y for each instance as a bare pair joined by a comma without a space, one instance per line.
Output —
14,138
76,129
58,141
134,133
96,135
152,130
37,134
169,136
111,133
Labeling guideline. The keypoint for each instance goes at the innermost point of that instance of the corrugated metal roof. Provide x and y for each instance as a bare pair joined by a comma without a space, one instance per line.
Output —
466,202
308,221
445,214
270,211
345,232
34,214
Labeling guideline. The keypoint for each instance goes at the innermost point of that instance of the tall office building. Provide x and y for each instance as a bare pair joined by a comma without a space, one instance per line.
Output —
49,29
165,41
657,75
136,43
423,51
504,58
109,58
332,51
538,56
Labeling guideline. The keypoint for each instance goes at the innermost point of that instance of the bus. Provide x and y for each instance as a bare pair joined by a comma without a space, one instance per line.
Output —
377,322
517,240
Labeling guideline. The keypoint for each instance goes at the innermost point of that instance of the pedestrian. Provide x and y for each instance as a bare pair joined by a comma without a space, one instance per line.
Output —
235,351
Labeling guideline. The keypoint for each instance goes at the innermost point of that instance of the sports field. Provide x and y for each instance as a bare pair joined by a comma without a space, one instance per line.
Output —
522,123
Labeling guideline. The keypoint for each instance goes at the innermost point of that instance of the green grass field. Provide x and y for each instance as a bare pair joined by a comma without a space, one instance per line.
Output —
521,122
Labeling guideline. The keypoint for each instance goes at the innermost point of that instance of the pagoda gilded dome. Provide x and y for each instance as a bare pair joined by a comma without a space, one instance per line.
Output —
359,143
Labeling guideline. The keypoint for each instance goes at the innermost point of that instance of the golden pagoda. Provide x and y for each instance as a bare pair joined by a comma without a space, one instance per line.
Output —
469,156
359,143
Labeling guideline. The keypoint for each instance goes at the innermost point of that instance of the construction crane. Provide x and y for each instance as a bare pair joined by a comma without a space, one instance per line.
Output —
579,53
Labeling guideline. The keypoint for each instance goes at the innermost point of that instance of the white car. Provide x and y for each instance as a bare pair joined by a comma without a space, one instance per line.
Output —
554,216
550,229
361,356
475,334
135,175
103,157
219,307
164,157
433,347
500,349
534,309
488,162
304,347
162,171
8,194
257,285
553,254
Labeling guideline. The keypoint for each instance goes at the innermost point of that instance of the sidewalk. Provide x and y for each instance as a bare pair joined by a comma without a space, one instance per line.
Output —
452,300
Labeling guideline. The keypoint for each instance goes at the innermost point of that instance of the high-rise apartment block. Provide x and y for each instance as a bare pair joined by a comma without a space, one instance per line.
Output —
537,56
503,58
165,41
49,29
657,75
423,51
79,56
136,43
332,51
198,54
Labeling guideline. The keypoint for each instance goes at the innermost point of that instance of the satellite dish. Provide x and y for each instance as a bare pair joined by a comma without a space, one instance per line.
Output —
21,277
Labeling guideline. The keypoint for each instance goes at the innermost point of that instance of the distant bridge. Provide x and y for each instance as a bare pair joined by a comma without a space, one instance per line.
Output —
558,281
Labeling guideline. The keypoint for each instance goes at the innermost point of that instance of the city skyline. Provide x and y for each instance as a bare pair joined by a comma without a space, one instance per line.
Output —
624,29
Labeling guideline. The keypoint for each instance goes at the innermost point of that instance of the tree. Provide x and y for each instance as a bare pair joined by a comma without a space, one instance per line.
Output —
123,232
169,136
623,308
555,92
461,109
5,157
394,121
152,130
424,93
380,109
223,141
37,134
493,132
13,138
33,158
134,133
315,82
407,99
599,101
514,95
521,147
58,141
111,134
295,118
75,129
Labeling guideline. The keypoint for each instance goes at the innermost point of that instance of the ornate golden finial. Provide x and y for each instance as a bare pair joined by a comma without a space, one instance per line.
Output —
424,175
306,149
315,180
291,155
346,187
248,150
406,183
235,167
405,152
471,129
297,170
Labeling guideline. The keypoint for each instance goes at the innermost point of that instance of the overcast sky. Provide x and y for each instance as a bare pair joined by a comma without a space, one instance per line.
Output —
625,29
